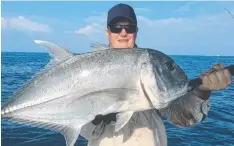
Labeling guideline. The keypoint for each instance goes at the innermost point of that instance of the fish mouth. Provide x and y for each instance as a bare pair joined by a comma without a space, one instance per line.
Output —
175,94
173,91
182,92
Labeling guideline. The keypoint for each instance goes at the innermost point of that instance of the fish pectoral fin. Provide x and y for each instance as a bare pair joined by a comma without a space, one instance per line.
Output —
122,119
56,52
71,134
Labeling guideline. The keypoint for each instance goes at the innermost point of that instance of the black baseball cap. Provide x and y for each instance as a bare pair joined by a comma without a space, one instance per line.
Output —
121,11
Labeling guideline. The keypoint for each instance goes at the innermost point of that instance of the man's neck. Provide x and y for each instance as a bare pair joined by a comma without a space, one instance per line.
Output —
135,46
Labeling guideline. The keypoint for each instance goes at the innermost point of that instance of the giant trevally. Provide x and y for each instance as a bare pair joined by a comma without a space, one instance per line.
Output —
73,89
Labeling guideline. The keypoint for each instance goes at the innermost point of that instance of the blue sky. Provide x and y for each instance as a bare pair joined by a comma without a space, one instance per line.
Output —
176,28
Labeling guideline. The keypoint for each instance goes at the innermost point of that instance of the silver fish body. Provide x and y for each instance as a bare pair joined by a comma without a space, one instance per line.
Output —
75,88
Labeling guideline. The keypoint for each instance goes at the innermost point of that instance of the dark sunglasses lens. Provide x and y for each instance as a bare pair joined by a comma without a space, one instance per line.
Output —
115,29
118,29
131,29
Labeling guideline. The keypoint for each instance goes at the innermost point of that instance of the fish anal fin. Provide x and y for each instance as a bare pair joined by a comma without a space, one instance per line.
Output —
70,134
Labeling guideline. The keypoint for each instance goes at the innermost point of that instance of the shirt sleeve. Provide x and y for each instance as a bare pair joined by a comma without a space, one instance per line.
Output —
189,109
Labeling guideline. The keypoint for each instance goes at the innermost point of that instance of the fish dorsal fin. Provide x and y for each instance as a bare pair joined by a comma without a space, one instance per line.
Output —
98,46
56,52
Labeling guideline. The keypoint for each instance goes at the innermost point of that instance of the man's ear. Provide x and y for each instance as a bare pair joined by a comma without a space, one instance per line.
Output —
107,32
136,33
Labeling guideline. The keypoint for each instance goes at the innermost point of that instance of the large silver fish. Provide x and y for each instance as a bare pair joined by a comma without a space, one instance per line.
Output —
73,89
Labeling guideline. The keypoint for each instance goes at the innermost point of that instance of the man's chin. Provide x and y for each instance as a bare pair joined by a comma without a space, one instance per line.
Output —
122,45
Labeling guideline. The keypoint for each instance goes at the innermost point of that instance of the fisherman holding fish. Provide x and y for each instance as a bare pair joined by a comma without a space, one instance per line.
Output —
146,127
133,87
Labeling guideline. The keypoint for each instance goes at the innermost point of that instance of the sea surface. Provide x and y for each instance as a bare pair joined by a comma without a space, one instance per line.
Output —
217,129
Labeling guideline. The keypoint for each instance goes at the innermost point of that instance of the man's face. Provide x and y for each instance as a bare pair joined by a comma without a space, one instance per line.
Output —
123,38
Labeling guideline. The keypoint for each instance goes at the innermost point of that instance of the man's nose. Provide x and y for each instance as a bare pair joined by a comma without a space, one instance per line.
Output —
123,32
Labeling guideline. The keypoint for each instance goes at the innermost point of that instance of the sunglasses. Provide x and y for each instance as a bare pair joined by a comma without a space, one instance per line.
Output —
118,28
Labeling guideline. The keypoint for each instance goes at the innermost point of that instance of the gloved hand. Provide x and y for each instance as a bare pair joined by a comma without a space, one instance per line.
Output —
217,78
106,118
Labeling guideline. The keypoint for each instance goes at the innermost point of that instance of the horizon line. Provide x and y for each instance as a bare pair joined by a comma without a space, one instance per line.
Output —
91,51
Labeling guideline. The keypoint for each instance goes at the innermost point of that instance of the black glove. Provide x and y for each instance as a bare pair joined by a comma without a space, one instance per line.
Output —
106,119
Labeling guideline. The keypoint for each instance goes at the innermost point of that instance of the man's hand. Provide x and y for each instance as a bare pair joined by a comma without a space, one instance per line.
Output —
217,78
106,119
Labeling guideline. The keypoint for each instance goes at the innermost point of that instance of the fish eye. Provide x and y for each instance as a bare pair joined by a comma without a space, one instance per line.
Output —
170,65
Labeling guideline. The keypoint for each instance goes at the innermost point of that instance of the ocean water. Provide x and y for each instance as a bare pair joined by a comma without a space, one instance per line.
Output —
217,129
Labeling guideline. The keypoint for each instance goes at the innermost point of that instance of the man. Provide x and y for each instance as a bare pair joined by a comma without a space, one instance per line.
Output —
146,128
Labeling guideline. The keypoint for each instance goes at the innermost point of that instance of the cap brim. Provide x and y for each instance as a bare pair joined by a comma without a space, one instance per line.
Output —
118,18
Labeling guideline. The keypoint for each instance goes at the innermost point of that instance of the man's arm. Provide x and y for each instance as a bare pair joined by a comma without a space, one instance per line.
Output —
189,109
194,106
